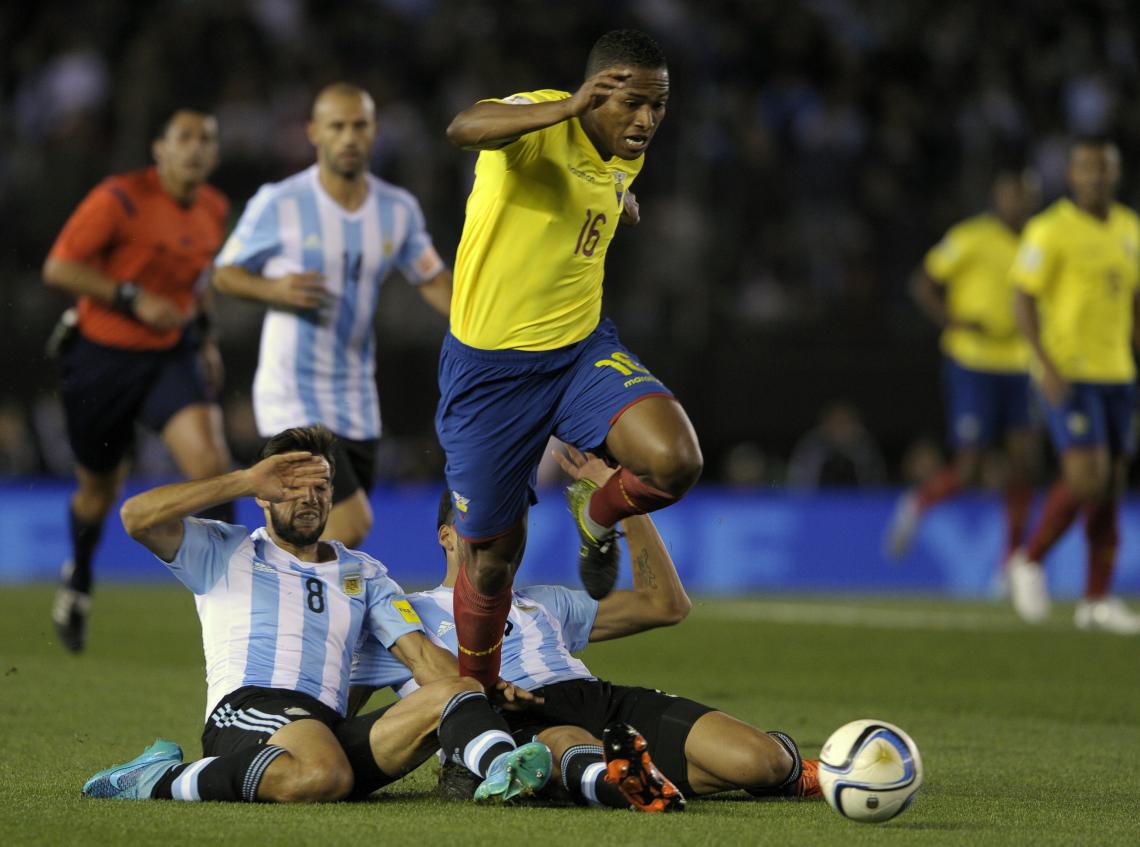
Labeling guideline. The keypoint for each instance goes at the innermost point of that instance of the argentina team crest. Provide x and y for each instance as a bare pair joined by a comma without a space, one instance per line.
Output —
352,584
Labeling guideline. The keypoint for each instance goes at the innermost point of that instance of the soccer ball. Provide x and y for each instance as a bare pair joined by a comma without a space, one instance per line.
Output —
869,770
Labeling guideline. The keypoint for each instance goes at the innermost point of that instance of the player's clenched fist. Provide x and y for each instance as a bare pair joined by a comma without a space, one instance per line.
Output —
300,291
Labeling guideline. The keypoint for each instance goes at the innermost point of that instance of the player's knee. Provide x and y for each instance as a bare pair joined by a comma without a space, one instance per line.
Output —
1088,485
676,468
561,738
766,762
317,780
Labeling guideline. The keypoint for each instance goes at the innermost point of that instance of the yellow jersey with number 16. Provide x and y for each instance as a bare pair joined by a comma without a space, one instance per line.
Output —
540,218
1083,273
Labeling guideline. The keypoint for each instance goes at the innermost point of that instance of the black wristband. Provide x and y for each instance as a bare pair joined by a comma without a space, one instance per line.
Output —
125,296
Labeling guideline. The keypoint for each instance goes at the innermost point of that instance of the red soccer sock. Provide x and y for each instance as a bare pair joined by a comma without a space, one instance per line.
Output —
1103,538
1018,498
479,623
946,483
624,494
1061,508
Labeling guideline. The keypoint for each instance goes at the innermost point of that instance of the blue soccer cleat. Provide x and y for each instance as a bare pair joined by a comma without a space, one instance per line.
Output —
517,773
136,779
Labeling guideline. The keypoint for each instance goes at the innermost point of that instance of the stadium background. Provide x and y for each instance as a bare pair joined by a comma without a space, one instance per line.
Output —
812,152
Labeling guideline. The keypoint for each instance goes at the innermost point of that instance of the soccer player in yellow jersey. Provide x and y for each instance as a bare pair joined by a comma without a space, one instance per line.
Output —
528,355
1076,273
963,286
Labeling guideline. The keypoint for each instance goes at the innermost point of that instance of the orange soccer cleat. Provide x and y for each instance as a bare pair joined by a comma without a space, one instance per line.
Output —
808,783
629,767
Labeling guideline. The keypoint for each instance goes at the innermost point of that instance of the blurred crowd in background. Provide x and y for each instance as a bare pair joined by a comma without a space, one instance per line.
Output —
813,151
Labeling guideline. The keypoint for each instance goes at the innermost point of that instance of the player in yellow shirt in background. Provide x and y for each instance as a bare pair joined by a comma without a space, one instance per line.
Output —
963,286
1076,273
527,356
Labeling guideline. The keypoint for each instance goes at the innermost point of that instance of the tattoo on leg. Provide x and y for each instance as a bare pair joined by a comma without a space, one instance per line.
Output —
645,573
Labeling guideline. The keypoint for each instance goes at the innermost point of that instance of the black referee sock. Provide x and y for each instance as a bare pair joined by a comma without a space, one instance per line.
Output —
583,776
472,733
235,776
84,538
221,512
797,763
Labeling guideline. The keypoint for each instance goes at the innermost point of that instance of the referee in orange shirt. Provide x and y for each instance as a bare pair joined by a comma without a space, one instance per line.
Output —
136,253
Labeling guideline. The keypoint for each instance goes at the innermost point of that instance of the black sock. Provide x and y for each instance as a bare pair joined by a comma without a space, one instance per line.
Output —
235,776
786,787
472,733
355,736
221,512
583,772
84,537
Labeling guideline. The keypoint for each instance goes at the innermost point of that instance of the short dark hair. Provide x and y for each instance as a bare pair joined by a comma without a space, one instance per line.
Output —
315,439
624,47
446,514
166,117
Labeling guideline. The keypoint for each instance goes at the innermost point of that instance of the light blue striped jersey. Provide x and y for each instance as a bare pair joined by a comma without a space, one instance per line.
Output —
546,624
271,620
318,366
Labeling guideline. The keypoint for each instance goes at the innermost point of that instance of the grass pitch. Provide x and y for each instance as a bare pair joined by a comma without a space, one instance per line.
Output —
1028,736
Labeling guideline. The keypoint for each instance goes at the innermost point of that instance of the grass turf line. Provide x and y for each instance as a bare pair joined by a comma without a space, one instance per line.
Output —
1027,735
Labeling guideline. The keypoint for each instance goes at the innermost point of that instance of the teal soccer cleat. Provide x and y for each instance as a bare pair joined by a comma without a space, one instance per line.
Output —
136,779
518,773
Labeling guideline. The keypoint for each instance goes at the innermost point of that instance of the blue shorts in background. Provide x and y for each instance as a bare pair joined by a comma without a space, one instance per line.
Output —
1095,414
982,407
498,408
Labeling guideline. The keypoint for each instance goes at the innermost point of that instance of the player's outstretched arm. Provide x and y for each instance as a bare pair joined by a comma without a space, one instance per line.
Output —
658,597
490,125
428,662
154,518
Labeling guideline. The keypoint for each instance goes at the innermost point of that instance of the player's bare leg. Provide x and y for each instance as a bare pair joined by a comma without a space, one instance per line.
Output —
726,754
656,446
350,520
195,437
313,768
911,506
1099,609
482,600
94,497
1020,449
1085,478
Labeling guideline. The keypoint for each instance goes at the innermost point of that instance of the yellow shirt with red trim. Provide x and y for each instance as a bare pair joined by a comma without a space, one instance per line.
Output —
540,218
972,262
1083,273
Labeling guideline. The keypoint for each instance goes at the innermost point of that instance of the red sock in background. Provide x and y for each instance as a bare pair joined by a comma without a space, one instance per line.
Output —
1018,498
1060,509
1103,538
946,483
624,494
479,623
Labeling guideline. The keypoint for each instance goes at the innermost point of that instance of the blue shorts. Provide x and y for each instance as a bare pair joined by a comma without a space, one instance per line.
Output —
1095,414
106,390
982,407
498,408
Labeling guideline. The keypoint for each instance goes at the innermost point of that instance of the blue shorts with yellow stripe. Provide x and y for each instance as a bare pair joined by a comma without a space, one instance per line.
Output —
498,408
1095,414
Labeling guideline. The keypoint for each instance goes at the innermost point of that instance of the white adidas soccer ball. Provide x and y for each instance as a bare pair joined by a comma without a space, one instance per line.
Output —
869,770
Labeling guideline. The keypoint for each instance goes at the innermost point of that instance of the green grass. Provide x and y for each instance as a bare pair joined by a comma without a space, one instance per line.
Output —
1028,736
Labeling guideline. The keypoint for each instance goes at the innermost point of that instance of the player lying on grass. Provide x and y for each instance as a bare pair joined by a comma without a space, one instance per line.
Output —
281,615
697,749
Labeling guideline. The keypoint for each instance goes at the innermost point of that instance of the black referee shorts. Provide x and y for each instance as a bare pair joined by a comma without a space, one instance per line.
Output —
592,704
106,390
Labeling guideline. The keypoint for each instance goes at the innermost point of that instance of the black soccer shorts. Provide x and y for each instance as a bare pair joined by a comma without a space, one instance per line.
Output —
248,717
592,704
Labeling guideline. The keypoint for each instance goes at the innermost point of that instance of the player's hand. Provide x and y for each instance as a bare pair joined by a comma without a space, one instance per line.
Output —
630,210
305,290
595,91
213,368
1054,386
511,698
579,465
287,476
157,312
